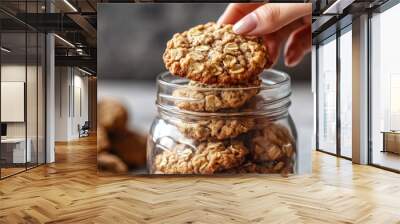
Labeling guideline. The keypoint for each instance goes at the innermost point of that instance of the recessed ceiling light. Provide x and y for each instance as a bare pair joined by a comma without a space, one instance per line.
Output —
70,5
5,50
64,40
84,71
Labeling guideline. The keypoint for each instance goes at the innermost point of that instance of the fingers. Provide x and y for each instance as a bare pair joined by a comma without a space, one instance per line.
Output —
298,44
235,11
269,18
275,40
273,45
277,22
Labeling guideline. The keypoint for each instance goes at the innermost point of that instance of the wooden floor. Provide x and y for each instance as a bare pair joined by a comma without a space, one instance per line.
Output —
10,171
70,191
387,159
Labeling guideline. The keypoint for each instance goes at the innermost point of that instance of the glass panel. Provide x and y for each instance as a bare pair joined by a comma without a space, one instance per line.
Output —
327,96
385,87
31,98
346,94
32,88
13,90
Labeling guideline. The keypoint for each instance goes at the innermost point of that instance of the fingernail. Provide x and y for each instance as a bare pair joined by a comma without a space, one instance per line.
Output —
245,25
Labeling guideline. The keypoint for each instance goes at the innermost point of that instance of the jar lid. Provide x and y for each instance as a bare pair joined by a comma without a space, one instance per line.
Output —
270,95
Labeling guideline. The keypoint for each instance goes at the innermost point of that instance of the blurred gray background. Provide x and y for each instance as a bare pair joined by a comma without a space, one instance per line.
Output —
131,39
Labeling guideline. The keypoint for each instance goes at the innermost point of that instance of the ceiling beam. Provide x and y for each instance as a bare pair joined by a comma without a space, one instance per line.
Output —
82,61
84,24
337,7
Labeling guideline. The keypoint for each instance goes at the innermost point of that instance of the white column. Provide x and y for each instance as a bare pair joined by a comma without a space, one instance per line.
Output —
314,92
50,92
50,99
360,90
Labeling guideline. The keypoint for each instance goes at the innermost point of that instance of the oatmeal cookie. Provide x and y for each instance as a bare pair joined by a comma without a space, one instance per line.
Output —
213,53
211,98
273,147
272,143
216,129
207,158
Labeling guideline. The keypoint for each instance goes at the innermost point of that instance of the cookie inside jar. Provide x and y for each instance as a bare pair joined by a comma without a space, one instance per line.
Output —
253,135
199,97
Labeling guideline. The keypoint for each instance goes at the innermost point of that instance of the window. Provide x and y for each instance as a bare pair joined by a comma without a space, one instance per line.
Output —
385,89
335,74
327,96
346,95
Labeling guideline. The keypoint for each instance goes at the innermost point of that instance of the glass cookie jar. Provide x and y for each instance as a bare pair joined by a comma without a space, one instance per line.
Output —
204,129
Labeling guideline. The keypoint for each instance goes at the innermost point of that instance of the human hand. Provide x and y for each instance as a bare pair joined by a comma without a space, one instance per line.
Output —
277,23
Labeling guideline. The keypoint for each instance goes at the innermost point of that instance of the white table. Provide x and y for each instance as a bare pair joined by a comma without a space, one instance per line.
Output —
18,148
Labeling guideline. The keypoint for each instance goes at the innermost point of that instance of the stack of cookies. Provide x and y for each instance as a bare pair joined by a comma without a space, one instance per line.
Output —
223,71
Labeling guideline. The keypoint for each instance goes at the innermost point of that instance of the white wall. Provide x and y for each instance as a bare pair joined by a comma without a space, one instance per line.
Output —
70,84
12,73
62,81
81,103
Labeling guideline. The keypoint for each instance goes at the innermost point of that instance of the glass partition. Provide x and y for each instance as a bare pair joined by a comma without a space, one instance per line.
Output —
34,70
22,91
31,97
14,153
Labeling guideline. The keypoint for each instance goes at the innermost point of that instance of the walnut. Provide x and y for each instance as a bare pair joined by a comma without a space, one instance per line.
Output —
114,138
109,162
103,140
112,115
130,147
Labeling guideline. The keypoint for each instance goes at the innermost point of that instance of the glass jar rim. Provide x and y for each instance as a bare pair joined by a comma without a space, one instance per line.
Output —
266,82
274,90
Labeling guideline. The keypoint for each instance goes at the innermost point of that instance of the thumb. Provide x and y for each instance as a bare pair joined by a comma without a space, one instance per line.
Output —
269,18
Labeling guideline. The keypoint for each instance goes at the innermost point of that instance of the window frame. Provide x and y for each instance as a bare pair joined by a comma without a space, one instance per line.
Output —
333,37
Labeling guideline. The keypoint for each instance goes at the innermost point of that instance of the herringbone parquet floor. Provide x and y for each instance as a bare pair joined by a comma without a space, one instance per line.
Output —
70,191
